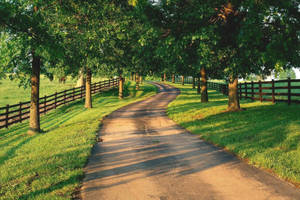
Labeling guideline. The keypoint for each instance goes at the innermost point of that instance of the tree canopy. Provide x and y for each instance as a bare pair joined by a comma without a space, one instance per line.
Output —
225,39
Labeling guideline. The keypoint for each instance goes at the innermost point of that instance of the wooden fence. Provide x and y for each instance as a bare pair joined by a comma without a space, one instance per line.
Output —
274,91
11,114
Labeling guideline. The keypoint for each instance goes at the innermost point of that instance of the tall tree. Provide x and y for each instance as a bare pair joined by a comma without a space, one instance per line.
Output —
33,26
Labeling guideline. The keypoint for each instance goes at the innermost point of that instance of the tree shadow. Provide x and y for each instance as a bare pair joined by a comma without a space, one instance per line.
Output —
15,144
253,131
157,155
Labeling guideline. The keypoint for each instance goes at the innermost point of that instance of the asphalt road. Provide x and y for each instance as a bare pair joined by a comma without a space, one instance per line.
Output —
145,155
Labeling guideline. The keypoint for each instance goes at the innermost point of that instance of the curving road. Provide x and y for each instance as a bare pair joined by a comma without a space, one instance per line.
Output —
145,155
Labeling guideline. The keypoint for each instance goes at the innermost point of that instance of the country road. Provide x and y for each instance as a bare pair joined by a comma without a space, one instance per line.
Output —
145,155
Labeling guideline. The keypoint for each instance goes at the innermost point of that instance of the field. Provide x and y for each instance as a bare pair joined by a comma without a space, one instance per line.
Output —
265,135
11,93
50,165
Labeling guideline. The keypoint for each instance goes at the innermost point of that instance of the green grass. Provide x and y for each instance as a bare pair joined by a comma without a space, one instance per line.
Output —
11,93
50,165
266,135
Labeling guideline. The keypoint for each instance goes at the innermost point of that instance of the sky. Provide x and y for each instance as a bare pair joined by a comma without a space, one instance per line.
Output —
297,71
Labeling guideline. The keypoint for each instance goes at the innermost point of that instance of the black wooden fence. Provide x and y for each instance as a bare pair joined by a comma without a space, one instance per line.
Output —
275,91
11,114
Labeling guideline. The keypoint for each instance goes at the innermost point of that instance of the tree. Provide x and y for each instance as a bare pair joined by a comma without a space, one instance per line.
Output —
32,27
285,74
251,36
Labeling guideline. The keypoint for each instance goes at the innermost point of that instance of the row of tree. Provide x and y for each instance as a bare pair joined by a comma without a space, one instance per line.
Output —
224,39
66,38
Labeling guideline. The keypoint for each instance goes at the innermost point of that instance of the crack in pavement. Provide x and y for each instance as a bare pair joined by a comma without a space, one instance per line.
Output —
145,155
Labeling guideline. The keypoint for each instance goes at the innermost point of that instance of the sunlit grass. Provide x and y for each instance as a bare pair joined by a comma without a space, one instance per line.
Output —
50,165
265,134
11,93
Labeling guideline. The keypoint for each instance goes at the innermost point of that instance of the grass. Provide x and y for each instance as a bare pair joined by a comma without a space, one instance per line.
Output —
11,93
50,165
266,135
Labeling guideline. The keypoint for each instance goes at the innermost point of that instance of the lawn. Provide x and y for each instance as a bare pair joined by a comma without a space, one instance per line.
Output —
11,93
265,135
50,165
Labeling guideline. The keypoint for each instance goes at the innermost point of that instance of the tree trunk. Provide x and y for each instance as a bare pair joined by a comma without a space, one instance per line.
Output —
165,77
162,77
204,96
88,92
193,83
121,86
182,80
233,98
198,85
141,80
81,80
173,78
34,116
137,84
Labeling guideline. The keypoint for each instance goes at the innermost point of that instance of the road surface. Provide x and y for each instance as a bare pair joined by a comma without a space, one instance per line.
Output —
145,155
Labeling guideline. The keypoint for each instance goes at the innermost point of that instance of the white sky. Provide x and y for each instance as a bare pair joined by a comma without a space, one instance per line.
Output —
297,71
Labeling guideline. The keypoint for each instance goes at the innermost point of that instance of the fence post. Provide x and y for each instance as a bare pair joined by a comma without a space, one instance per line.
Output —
252,90
55,100
6,116
65,97
45,104
20,112
73,94
289,91
246,90
240,90
260,91
273,91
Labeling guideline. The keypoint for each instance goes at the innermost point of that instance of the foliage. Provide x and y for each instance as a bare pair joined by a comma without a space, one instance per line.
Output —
285,74
27,28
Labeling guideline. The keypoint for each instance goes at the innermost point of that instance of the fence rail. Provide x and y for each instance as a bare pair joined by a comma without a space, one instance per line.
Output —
11,114
274,91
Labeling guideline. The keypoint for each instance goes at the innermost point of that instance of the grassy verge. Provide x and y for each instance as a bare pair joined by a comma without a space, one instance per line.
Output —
49,165
266,135
11,93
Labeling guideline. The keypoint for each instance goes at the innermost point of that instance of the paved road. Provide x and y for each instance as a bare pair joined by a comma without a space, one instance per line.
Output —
145,155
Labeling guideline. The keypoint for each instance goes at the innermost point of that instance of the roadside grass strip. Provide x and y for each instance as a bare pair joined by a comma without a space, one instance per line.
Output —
266,135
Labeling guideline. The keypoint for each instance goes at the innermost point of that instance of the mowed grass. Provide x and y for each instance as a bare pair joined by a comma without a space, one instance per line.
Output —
50,165
11,93
266,135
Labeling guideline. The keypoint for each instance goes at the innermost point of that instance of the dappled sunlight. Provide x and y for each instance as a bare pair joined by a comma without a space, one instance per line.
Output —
265,134
49,165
